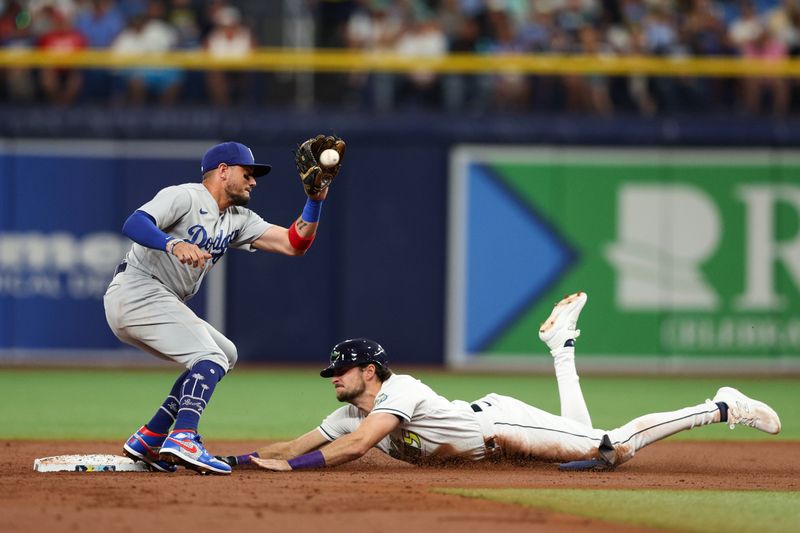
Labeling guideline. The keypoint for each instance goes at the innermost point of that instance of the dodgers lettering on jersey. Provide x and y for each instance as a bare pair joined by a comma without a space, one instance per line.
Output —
188,212
216,246
431,427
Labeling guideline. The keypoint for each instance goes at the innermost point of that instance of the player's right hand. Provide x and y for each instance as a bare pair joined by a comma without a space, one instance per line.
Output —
190,254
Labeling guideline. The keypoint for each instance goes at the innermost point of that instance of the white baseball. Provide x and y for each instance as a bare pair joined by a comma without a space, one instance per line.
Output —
329,157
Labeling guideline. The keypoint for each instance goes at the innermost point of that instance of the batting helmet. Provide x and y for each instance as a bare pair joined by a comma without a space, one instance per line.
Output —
354,352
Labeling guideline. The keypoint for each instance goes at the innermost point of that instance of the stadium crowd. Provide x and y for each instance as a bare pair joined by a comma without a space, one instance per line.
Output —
764,29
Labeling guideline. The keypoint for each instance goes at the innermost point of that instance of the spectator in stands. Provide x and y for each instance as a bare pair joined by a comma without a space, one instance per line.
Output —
100,22
572,15
185,20
783,23
332,19
132,8
661,38
229,39
462,27
638,84
539,34
15,32
705,34
422,38
766,47
510,90
374,27
60,86
747,27
594,87
536,34
150,35
633,12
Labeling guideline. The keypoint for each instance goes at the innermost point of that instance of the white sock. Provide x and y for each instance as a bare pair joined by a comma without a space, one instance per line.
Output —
573,406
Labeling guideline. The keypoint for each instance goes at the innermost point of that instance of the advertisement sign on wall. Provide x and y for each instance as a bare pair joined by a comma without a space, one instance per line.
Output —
61,212
690,258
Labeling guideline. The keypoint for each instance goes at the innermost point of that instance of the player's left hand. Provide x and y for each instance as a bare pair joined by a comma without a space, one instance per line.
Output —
277,465
315,177
190,254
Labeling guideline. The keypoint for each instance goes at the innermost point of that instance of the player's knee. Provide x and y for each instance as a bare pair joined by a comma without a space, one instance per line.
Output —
233,355
229,351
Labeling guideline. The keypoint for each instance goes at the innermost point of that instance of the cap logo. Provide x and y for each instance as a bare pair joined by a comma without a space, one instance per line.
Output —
252,157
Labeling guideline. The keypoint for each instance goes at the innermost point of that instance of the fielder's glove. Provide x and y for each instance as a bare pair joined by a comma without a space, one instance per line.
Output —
314,176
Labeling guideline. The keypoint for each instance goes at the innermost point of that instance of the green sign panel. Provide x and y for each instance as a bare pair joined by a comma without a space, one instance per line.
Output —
684,254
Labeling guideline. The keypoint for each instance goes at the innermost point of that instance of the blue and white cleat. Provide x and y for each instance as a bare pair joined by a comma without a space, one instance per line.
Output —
186,448
144,445
561,325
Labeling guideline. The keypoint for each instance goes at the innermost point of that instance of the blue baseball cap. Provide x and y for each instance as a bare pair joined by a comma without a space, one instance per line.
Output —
232,153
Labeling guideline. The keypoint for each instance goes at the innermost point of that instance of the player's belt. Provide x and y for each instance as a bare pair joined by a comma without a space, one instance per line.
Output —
487,428
124,265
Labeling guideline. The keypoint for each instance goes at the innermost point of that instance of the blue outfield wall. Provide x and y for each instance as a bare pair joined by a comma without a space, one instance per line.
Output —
377,269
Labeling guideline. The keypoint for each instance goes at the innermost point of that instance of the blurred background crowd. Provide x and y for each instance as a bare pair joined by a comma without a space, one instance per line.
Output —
767,30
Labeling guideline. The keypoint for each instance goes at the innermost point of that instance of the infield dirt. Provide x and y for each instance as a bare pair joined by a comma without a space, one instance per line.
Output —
375,493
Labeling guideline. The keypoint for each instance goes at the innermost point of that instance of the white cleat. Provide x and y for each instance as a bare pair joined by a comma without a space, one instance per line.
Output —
748,412
560,326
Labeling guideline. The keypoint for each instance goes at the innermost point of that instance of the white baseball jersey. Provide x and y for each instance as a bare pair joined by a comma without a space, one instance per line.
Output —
431,427
188,212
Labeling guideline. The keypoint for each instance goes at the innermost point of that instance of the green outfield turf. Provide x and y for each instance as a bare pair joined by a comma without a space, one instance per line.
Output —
709,511
274,404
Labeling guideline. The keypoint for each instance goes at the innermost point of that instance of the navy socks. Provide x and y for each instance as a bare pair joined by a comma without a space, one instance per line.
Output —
723,411
166,414
196,391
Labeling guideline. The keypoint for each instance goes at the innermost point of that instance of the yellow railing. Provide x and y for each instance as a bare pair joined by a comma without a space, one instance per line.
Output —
284,60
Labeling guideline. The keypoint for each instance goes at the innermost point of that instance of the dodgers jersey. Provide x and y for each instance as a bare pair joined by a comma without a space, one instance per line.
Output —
188,212
430,425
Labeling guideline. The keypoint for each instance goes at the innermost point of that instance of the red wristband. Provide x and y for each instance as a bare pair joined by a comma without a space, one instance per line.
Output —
298,242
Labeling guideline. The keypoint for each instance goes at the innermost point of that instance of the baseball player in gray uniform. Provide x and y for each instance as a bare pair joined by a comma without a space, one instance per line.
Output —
404,418
178,237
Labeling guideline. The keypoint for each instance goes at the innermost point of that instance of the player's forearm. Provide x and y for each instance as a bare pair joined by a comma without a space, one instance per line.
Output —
345,449
281,450
303,231
141,228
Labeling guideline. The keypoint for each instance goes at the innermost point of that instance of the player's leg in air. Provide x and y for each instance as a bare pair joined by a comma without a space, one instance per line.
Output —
729,405
559,332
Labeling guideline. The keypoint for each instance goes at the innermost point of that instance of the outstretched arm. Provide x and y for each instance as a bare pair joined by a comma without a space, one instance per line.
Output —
299,236
279,450
348,448
286,450
316,178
